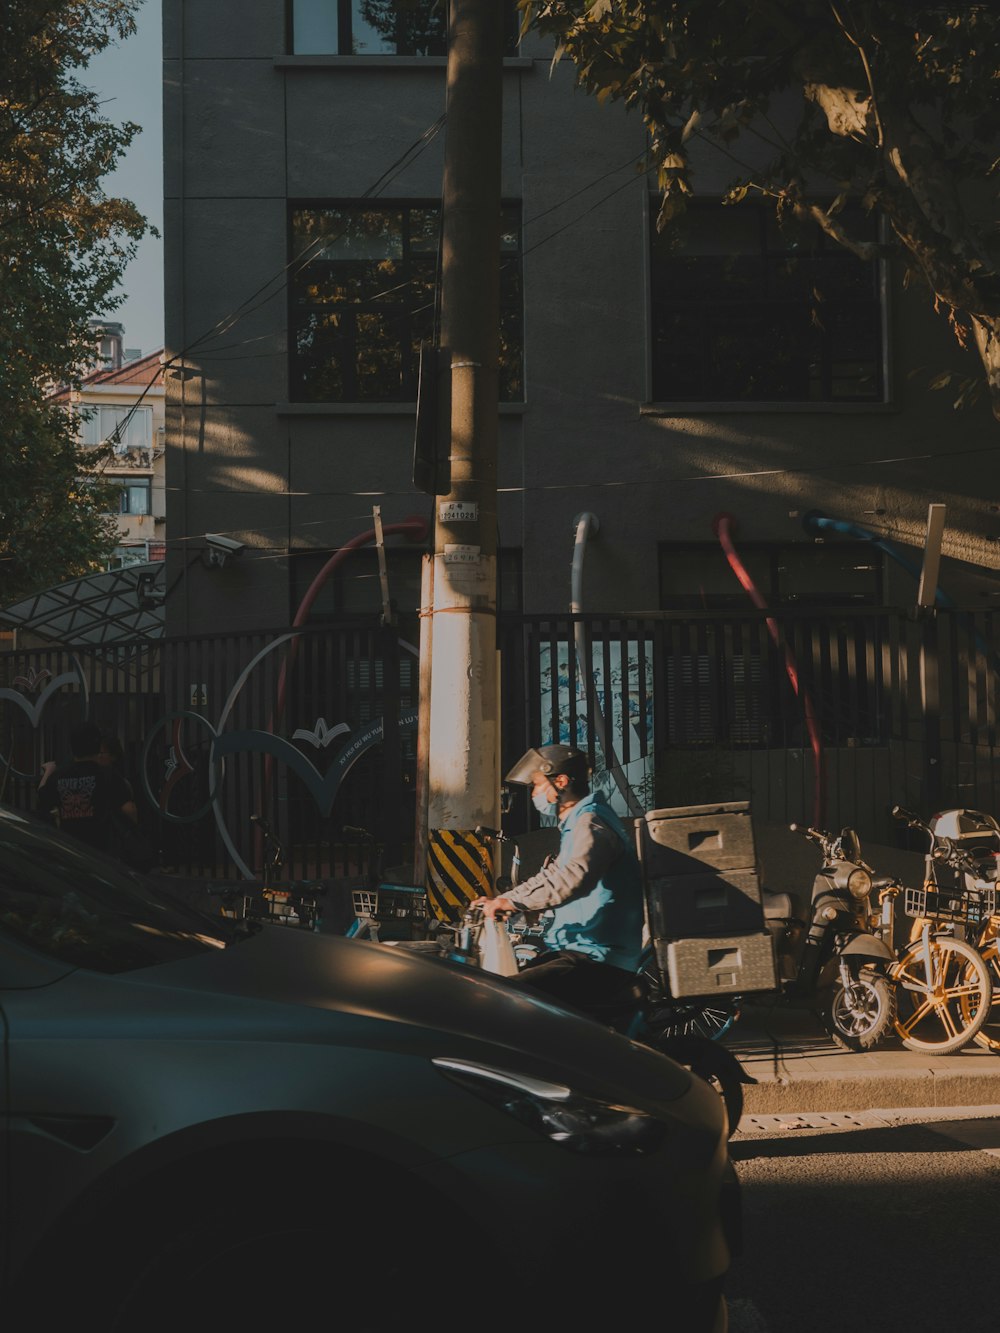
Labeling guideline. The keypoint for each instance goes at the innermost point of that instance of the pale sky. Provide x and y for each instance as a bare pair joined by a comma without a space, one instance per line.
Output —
129,78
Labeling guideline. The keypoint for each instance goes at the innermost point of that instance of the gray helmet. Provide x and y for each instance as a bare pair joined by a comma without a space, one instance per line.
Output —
967,828
550,760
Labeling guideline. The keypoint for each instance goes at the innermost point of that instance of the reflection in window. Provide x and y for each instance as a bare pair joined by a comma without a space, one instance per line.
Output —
365,298
86,910
744,311
135,497
379,27
127,426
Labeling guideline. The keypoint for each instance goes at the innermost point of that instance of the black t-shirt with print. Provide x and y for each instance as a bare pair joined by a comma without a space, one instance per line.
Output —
84,796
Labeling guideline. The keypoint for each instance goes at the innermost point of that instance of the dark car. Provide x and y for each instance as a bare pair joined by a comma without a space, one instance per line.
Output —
209,1128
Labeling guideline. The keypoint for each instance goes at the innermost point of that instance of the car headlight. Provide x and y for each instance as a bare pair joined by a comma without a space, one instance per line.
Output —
581,1124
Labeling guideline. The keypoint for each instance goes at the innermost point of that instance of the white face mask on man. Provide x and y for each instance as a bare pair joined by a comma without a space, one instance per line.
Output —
540,800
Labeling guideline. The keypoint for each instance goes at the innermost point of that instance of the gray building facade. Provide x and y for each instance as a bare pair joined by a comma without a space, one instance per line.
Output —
655,389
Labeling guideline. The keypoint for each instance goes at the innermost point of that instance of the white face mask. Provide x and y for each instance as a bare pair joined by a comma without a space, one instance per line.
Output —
541,802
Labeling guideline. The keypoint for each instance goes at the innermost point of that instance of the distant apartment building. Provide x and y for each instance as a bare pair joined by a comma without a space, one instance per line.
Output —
125,400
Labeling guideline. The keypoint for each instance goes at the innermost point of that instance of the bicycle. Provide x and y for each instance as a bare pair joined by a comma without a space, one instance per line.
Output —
270,899
385,912
943,983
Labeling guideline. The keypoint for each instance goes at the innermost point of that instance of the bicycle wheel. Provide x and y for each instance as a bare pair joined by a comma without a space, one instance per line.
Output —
941,1012
695,1018
988,1035
692,1017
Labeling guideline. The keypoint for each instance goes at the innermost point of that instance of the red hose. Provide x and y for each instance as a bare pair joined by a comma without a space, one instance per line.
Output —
723,525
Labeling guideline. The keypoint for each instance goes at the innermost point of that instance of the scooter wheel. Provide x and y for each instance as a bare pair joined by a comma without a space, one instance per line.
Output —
716,1065
860,1016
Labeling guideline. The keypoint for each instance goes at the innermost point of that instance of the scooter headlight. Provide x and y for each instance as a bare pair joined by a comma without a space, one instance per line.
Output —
859,883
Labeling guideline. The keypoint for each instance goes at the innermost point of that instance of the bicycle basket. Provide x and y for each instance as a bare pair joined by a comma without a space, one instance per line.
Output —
391,902
972,905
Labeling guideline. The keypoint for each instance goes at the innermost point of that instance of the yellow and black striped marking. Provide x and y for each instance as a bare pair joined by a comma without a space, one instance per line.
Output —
459,868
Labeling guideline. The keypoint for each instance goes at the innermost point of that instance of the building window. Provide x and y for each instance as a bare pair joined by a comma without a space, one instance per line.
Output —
126,426
379,27
363,297
743,312
355,589
136,497
697,575
727,682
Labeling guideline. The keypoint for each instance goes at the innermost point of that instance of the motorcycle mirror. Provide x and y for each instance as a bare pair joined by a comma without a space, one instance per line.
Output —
850,845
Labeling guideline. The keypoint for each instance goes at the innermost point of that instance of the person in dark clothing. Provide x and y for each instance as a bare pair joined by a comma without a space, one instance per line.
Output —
593,891
86,796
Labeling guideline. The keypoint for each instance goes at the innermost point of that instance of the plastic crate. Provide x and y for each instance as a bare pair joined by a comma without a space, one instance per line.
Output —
699,871
726,965
972,905
689,839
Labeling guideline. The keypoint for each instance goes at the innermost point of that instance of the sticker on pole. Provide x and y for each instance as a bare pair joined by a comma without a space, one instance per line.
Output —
458,511
462,555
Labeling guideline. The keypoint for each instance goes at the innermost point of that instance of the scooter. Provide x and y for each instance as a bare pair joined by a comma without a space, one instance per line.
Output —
829,953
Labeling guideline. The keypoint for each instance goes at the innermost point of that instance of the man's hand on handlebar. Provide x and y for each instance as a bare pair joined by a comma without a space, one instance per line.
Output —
494,907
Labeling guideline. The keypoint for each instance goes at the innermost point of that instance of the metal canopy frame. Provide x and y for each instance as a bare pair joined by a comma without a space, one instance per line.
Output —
114,606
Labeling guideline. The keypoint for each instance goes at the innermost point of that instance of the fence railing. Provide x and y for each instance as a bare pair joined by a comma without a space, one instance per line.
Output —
830,715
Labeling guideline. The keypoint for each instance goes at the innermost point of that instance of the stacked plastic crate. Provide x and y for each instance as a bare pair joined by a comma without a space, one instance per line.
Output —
703,900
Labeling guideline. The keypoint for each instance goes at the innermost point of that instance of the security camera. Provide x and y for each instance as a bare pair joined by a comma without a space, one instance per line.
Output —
219,548
228,545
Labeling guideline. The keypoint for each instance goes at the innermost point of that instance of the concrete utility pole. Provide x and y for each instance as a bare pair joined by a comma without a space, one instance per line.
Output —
463,724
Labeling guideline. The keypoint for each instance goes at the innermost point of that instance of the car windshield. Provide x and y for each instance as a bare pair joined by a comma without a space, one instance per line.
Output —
87,910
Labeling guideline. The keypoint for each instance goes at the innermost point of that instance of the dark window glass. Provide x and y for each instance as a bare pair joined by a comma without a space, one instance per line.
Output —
380,27
135,498
698,576
363,293
354,591
727,682
743,312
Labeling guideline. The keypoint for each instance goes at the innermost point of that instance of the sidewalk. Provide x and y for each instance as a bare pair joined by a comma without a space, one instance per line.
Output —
798,1068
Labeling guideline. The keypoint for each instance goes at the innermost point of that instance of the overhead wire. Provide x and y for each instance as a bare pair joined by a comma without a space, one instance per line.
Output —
304,258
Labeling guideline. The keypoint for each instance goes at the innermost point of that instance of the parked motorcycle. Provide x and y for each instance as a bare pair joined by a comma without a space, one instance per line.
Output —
828,952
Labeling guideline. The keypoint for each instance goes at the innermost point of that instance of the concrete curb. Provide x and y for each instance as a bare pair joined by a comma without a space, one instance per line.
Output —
798,1068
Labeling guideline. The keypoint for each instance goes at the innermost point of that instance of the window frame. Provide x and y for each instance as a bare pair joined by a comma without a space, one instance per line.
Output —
130,484
769,555
345,26
724,675
413,329
131,414
880,400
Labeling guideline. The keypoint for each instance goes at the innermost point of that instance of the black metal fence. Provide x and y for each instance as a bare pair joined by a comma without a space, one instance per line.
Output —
823,717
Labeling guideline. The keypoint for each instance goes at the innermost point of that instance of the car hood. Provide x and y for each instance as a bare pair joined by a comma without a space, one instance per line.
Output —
453,1008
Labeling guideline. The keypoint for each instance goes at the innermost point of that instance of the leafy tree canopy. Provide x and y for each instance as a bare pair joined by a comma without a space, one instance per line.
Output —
64,245
890,102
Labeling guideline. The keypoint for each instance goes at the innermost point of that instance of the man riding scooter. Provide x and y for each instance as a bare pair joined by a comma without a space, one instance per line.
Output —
592,889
